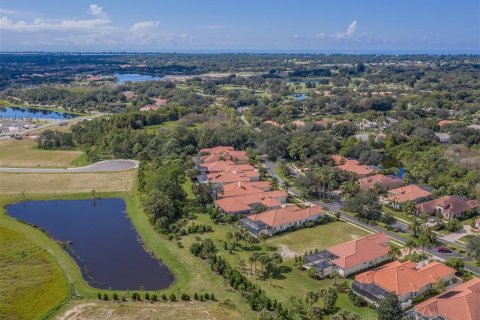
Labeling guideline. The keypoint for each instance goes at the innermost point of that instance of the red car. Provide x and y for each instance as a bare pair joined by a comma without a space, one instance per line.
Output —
444,250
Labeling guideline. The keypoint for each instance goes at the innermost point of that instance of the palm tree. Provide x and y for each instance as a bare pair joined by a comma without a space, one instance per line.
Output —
263,237
229,236
335,274
428,237
415,227
285,185
394,252
410,246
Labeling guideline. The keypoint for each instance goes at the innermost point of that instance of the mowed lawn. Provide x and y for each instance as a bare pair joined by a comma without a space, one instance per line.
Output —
31,283
15,183
291,282
25,153
150,311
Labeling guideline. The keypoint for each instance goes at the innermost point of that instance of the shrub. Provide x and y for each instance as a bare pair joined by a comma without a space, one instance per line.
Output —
356,300
99,296
115,296
173,297
105,297
154,297
164,297
206,296
195,296
147,296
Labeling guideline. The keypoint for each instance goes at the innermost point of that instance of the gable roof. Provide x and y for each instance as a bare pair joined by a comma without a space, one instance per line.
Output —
442,123
240,188
358,169
407,193
228,177
387,182
245,202
359,251
290,214
450,205
404,277
459,303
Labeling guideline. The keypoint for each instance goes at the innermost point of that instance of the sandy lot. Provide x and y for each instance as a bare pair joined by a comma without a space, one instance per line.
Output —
15,183
150,311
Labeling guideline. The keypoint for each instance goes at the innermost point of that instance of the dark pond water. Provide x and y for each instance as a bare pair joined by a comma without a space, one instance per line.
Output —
134,77
31,113
103,241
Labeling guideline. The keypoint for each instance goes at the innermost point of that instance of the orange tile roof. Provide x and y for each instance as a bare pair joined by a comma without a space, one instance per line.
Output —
217,149
401,278
341,160
264,185
459,303
359,251
451,205
380,179
358,169
442,123
407,193
240,189
290,214
217,166
228,177
244,202
225,155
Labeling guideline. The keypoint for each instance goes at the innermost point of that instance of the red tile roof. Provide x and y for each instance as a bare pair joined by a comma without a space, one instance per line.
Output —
240,189
411,192
451,205
404,277
386,182
359,251
270,199
228,177
442,123
290,214
459,303
358,169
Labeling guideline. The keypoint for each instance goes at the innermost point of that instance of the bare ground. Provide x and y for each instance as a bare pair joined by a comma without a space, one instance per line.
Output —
15,183
150,311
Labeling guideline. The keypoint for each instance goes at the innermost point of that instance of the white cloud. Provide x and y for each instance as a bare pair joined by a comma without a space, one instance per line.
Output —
144,26
347,34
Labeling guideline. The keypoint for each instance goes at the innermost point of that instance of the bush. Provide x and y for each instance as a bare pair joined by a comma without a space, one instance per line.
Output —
154,297
164,297
185,297
99,296
206,296
195,296
356,300
173,297
115,296
105,297
212,297
147,296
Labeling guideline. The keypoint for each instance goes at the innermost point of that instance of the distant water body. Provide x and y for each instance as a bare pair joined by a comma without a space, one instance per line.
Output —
32,113
101,239
134,77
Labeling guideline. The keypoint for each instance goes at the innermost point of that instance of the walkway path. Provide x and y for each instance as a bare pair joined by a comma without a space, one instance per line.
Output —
102,166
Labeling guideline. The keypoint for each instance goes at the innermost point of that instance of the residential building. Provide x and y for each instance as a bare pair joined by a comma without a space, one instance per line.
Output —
397,197
278,220
245,204
462,302
384,182
233,176
223,153
351,165
443,123
405,279
244,188
351,257
450,207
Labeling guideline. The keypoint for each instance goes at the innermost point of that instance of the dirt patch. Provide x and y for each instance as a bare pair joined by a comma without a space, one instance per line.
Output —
464,156
149,311
286,253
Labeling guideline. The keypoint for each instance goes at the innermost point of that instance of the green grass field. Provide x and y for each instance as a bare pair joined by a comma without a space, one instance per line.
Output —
31,280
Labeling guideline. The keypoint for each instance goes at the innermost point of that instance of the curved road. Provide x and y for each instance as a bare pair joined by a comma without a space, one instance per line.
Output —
102,166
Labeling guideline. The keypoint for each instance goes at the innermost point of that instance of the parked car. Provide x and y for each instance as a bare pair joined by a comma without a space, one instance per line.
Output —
444,250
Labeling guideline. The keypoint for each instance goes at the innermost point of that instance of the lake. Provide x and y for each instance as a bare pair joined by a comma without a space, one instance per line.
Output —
134,77
102,239
32,113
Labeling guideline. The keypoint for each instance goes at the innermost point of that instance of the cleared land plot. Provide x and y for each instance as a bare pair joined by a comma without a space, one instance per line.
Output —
24,153
15,183
31,283
158,311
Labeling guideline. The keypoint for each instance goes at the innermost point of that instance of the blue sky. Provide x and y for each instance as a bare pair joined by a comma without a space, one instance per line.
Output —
240,25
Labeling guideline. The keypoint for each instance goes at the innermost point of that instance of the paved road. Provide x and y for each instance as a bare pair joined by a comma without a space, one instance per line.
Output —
335,205
102,166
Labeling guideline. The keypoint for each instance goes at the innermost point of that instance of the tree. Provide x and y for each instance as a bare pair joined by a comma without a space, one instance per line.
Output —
263,237
394,252
453,225
428,237
473,246
345,315
365,204
315,313
389,308
415,227
329,298
350,188
410,246
409,207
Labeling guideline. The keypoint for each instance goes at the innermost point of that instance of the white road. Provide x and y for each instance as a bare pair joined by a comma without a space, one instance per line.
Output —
102,166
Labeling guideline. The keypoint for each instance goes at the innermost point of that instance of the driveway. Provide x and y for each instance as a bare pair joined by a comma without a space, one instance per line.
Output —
102,166
454,236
